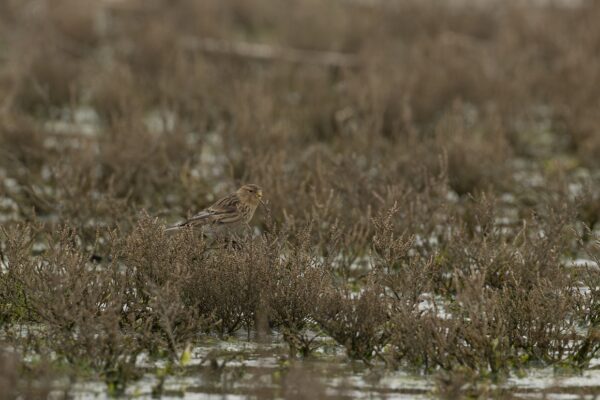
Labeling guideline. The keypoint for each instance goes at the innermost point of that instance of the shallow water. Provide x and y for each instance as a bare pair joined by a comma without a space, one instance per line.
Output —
239,369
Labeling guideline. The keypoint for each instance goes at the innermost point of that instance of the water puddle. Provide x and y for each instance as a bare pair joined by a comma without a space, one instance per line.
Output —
238,369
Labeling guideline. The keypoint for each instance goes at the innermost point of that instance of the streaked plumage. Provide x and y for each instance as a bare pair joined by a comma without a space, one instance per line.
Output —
228,213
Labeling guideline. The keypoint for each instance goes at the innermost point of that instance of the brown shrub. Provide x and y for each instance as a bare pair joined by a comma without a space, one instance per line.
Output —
355,320
384,159
19,380
293,290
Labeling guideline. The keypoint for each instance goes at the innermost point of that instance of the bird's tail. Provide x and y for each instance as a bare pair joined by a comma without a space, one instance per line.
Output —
173,228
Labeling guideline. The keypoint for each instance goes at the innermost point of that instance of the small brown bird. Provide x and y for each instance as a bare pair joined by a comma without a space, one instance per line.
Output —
228,214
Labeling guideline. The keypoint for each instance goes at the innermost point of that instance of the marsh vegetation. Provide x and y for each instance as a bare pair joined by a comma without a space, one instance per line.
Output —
431,178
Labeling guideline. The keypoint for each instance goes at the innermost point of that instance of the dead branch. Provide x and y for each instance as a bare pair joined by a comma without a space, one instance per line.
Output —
261,51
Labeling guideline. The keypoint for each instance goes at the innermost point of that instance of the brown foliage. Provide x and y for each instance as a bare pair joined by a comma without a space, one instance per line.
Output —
421,199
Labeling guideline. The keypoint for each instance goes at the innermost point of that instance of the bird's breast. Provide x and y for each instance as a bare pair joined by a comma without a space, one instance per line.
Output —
247,212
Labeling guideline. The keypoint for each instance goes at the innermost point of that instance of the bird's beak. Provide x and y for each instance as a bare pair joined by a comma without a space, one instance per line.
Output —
260,195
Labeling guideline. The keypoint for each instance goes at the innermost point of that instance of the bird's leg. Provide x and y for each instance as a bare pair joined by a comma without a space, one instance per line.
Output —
235,244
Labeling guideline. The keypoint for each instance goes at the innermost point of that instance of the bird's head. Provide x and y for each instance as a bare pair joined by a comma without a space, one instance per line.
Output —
250,194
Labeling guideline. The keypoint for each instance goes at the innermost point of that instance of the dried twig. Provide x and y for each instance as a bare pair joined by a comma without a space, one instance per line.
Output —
261,51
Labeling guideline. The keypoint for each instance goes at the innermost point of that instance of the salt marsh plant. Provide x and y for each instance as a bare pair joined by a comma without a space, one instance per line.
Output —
424,196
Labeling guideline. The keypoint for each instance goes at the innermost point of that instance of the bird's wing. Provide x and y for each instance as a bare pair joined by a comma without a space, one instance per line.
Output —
224,211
